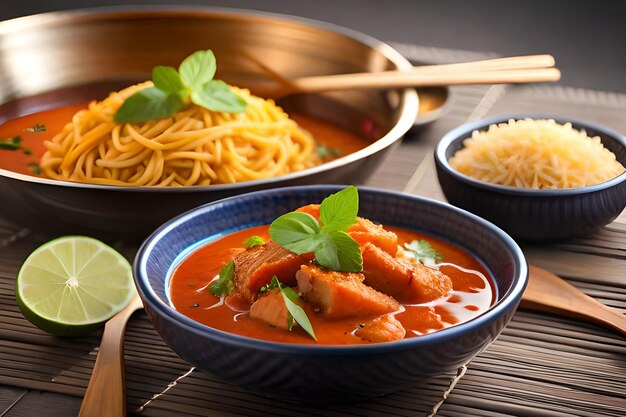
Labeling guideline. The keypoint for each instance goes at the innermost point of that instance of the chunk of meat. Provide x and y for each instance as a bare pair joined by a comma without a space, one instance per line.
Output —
405,279
363,231
255,268
271,309
342,294
312,209
382,329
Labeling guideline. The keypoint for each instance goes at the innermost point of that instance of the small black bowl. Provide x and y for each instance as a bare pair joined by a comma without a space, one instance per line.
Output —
534,215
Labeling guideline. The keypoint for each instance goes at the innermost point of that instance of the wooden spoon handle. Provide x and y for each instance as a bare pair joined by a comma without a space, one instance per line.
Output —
106,392
548,293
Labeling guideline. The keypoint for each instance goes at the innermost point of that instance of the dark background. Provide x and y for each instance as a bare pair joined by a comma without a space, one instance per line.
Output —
587,37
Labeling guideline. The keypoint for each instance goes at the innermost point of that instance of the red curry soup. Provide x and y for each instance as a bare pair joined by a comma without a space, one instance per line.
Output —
410,284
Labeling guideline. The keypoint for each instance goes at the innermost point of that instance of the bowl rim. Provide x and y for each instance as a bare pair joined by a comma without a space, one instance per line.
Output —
508,301
464,131
409,96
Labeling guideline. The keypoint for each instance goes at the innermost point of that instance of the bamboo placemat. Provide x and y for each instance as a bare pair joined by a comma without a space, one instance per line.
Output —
541,365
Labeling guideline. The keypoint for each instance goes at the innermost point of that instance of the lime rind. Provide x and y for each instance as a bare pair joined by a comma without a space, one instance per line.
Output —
72,284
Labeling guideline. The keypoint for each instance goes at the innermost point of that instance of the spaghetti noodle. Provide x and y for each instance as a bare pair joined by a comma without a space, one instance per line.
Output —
196,146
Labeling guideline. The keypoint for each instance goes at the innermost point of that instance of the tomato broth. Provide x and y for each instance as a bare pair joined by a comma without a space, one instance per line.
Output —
471,296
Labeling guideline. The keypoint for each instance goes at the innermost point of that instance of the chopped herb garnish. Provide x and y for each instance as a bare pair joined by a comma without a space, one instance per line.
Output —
253,241
11,144
196,305
325,151
423,252
296,313
272,285
333,247
37,128
224,284
28,152
173,90
35,167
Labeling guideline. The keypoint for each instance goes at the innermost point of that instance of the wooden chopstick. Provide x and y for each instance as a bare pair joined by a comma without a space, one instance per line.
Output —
497,64
517,69
399,79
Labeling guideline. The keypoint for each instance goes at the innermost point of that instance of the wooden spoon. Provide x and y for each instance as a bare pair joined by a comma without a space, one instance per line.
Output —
106,392
548,293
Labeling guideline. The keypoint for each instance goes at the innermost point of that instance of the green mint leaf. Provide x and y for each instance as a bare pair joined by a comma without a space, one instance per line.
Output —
37,128
338,211
296,231
326,152
216,95
224,284
296,312
274,283
148,104
11,144
198,69
253,241
167,79
339,252
423,252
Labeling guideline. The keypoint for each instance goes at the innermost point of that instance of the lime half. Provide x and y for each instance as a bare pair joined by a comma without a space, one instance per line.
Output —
70,285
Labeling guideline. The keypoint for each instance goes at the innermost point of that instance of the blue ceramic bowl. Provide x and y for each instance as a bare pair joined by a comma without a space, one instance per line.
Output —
327,373
534,215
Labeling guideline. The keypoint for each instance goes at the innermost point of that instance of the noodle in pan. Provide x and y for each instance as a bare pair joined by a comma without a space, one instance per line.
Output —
196,146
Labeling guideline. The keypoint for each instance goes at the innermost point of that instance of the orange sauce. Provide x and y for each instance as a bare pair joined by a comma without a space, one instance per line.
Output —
471,296
26,159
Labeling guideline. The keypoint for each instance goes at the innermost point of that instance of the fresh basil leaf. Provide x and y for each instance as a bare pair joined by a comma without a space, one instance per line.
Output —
296,231
339,252
216,95
148,104
338,211
423,252
168,79
11,144
224,284
253,241
326,152
198,69
296,312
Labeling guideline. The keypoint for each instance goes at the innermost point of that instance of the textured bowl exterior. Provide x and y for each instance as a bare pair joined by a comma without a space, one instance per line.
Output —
61,47
328,373
534,215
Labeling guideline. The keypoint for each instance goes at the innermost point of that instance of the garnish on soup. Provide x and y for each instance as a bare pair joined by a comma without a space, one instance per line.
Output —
378,293
11,144
334,249
253,241
423,252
